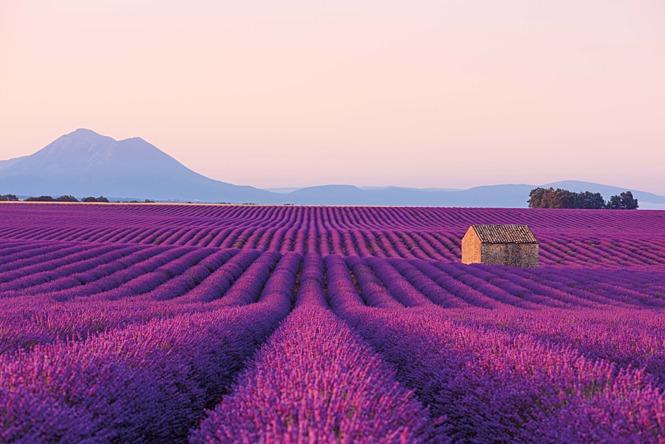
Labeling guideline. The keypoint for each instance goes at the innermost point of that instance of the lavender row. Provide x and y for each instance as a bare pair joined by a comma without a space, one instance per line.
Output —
316,381
504,387
76,271
327,218
44,270
108,279
29,321
224,273
415,233
27,253
435,245
627,337
510,388
189,274
220,280
147,382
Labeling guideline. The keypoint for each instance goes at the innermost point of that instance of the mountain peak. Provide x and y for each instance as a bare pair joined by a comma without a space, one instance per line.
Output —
86,135
81,137
84,132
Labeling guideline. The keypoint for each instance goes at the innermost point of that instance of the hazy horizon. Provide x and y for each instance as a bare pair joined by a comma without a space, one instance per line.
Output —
289,94
361,186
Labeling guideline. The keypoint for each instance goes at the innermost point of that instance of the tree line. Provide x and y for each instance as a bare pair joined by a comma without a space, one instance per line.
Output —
560,198
65,198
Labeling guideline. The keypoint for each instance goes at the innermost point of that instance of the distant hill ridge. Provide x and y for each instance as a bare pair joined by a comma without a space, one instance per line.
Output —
84,163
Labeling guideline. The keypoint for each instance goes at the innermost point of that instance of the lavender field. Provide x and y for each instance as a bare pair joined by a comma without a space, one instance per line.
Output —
176,323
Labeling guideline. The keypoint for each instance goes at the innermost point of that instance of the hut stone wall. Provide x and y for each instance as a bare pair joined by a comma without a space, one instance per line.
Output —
513,255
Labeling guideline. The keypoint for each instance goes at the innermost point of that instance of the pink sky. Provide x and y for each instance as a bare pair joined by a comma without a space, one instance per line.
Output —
292,92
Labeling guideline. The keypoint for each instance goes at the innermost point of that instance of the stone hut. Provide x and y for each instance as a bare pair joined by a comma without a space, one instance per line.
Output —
511,245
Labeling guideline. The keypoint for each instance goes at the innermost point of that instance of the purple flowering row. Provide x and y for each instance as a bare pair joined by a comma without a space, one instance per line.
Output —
568,238
29,321
504,386
627,337
316,381
140,383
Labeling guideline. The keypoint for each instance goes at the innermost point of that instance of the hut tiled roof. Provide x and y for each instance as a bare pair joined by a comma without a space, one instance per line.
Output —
505,234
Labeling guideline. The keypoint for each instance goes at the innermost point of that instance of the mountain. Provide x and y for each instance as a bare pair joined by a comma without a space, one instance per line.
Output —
7,163
489,196
84,163
502,196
